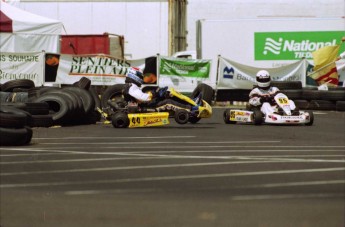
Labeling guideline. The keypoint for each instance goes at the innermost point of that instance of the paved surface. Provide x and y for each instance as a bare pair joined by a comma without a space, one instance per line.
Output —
202,175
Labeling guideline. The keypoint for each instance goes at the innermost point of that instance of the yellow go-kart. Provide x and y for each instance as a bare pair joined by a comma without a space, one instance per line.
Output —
171,105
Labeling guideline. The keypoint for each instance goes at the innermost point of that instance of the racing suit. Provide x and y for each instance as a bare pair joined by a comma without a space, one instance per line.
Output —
136,93
133,93
266,107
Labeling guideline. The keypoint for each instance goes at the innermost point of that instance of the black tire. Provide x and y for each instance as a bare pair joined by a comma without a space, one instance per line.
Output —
83,83
4,96
20,83
11,117
302,104
293,94
334,95
322,105
205,90
113,93
194,119
18,97
258,117
15,137
311,94
88,101
95,97
120,120
311,116
226,117
37,108
45,121
286,85
181,116
340,105
58,106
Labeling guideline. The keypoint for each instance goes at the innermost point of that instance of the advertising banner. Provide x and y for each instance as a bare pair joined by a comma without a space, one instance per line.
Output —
183,74
293,45
100,69
232,75
28,66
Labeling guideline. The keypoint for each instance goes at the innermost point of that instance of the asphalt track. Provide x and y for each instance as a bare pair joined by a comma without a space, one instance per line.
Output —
202,175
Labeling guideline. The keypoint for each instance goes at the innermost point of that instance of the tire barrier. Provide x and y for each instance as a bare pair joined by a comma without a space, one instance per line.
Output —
306,98
14,129
48,106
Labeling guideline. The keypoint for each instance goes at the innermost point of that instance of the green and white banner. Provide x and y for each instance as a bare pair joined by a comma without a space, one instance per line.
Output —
293,45
183,74
232,75
14,66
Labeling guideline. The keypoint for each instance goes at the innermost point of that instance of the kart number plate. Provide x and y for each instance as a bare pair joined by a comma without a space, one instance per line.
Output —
283,101
243,116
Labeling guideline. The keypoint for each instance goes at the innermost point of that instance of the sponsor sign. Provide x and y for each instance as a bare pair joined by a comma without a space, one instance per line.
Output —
14,66
232,75
183,74
293,45
100,69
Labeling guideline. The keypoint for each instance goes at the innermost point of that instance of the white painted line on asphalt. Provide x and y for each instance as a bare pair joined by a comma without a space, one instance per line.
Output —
135,167
286,196
169,178
113,137
151,157
290,184
145,190
166,142
79,160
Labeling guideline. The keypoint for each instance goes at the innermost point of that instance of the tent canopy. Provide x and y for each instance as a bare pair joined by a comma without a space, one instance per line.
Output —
21,31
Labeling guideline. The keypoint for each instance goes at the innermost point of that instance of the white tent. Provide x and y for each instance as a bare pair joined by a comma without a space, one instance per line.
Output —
21,31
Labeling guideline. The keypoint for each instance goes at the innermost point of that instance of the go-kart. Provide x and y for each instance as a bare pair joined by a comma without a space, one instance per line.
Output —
130,114
283,114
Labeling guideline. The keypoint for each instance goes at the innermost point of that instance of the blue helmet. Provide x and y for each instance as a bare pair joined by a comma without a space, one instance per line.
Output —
135,76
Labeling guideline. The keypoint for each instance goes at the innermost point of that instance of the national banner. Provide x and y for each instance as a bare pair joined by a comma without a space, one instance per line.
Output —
325,69
100,69
14,66
183,74
233,75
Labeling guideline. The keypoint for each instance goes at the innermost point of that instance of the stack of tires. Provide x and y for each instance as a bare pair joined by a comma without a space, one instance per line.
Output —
14,126
48,106
306,98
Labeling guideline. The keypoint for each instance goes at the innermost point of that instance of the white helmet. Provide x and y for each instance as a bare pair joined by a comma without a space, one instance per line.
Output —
263,79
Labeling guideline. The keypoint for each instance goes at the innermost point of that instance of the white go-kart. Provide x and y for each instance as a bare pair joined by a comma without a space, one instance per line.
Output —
282,115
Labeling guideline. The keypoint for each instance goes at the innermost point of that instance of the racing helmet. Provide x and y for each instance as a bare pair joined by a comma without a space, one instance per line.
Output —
134,75
263,79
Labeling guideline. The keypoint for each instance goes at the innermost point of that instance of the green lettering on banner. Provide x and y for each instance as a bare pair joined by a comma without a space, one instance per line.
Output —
293,45
185,68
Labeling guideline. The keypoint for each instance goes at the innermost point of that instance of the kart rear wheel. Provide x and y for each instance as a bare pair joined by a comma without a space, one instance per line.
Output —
226,117
258,117
120,120
181,116
194,119
311,118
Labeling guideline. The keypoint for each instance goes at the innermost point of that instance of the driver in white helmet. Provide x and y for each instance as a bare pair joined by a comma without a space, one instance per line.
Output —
263,95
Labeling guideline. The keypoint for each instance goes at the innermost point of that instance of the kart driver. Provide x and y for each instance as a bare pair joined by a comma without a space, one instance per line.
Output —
132,93
263,95
134,80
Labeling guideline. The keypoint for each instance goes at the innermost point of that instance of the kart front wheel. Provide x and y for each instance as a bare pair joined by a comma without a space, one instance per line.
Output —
226,117
194,119
311,119
258,117
181,116
120,120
